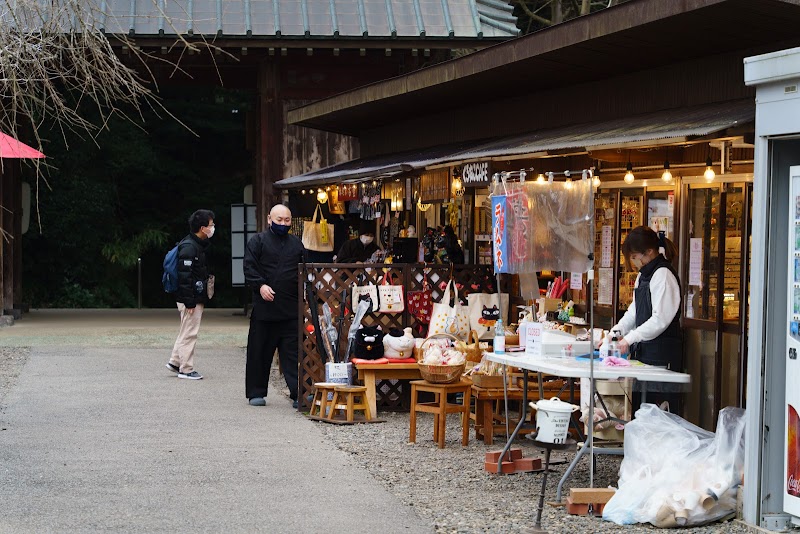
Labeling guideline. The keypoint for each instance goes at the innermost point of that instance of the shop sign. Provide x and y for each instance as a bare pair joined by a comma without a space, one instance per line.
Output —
476,174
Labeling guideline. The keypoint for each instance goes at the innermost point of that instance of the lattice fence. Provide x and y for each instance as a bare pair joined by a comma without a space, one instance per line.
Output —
333,281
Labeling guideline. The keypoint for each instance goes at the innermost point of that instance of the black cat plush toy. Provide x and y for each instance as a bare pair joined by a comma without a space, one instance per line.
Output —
369,343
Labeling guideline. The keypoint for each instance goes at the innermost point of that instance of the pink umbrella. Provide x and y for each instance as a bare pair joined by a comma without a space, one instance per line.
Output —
11,148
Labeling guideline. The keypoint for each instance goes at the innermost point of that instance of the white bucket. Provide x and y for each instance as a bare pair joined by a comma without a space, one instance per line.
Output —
552,419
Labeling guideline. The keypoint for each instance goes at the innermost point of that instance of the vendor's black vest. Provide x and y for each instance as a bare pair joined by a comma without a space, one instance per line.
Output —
666,349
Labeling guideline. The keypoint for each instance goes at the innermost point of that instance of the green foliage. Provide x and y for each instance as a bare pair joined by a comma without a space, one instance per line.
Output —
129,196
127,252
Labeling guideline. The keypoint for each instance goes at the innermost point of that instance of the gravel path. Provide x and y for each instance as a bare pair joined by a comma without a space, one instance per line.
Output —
448,487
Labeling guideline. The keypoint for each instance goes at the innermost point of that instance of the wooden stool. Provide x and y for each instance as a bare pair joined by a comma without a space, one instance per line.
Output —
440,408
323,391
348,399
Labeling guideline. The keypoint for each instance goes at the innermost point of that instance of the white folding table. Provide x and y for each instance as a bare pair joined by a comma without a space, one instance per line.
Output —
579,368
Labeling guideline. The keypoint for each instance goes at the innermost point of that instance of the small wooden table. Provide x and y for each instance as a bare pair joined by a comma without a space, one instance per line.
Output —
370,373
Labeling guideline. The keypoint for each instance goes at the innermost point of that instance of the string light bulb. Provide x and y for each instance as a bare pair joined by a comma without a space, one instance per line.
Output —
568,183
540,179
666,176
322,196
709,175
629,177
596,181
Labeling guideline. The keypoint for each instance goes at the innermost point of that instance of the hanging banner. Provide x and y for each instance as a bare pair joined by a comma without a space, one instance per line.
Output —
499,234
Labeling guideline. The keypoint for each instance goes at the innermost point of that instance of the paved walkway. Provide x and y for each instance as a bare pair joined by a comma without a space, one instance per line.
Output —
97,435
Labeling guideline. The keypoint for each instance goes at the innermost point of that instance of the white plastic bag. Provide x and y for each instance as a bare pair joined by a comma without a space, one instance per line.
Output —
676,474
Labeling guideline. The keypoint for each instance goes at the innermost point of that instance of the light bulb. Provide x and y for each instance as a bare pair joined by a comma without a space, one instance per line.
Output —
322,196
540,179
667,176
596,181
629,178
303,192
568,183
709,175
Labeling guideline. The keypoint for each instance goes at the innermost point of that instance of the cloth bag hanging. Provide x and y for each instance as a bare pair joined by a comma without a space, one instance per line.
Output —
316,235
420,302
390,296
447,319
484,310
365,292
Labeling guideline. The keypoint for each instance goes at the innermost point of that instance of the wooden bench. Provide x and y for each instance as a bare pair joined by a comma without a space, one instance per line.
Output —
370,373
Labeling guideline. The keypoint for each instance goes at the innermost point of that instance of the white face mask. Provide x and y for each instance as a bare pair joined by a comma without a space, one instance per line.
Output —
210,231
366,239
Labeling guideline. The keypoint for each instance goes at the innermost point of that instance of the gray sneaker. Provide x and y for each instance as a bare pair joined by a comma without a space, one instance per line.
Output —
194,375
258,401
173,368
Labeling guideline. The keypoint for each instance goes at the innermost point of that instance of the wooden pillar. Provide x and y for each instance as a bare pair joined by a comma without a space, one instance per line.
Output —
11,184
4,173
16,301
269,159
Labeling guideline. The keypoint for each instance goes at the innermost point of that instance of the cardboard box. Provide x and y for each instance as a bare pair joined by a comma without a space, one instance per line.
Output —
546,305
591,495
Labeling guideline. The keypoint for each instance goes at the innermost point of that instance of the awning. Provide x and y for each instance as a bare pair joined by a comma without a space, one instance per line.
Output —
668,127
11,148
376,167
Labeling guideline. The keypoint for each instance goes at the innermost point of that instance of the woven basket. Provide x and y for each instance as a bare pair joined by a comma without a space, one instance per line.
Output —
439,374
474,352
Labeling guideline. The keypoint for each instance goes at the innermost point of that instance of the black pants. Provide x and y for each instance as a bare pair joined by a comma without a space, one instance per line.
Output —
263,339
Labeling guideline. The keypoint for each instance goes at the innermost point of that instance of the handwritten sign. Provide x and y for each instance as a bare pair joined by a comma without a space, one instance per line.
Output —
533,340
696,261
605,286
576,281
499,234
605,247
476,174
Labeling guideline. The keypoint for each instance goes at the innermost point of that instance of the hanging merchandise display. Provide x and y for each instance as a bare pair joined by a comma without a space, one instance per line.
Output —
370,201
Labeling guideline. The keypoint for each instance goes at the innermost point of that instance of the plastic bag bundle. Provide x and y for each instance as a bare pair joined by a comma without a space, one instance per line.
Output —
543,226
676,474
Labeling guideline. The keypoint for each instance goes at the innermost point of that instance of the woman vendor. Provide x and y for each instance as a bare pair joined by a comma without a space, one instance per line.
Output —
651,327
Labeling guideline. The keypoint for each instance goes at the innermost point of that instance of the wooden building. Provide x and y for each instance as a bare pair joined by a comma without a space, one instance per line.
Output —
288,52
648,86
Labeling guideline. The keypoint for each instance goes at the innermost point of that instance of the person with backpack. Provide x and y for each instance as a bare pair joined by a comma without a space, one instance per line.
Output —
192,291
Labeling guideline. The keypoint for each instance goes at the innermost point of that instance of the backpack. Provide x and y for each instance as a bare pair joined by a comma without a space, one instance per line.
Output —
170,277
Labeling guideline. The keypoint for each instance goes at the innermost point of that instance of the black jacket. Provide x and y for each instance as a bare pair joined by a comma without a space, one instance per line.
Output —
354,250
192,271
272,259
667,349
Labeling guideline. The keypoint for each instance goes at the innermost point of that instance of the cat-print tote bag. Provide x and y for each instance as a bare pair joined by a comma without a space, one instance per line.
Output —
484,310
366,292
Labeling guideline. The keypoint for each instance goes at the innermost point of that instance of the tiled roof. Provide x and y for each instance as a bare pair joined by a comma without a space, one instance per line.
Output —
311,19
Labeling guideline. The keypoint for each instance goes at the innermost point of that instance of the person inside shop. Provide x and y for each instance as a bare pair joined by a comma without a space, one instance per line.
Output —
361,248
650,328
450,250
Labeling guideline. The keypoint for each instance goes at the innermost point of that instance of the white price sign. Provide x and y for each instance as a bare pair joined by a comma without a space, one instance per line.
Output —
533,342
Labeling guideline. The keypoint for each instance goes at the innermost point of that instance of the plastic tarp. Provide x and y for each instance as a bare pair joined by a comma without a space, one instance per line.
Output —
676,474
542,226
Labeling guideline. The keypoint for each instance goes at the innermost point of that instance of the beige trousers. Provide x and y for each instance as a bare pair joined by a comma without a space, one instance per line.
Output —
183,351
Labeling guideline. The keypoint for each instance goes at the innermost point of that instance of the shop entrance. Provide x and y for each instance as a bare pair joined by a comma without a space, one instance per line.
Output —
715,260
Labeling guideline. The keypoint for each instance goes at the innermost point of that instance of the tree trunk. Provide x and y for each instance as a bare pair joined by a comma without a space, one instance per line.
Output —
558,14
586,7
